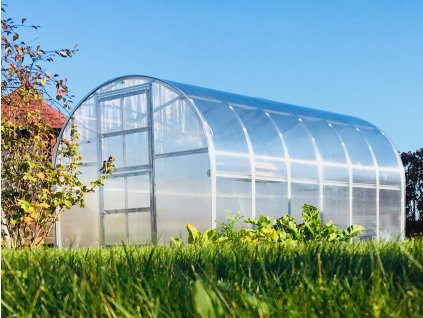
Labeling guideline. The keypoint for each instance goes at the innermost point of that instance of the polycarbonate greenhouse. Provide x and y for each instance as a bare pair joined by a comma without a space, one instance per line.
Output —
186,154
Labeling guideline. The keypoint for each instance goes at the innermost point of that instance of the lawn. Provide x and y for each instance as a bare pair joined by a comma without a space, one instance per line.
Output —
364,279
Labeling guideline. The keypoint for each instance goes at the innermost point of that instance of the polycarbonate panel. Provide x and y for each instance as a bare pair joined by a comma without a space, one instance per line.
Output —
177,127
382,148
297,140
364,210
114,194
114,228
162,94
390,214
137,151
111,115
80,226
328,143
304,171
183,195
231,147
336,205
364,176
123,83
138,191
232,196
300,194
85,117
113,146
266,143
139,227
271,198
135,111
390,178
336,174
358,150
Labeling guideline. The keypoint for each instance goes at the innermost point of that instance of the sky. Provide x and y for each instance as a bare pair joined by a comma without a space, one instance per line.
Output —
360,58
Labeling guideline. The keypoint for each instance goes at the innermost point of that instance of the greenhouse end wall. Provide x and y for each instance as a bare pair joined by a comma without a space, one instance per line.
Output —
186,154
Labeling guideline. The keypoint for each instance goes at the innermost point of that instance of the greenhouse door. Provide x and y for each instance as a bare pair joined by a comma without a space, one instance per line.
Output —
127,198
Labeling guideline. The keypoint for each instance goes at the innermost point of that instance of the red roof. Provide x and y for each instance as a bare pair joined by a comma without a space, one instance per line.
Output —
51,116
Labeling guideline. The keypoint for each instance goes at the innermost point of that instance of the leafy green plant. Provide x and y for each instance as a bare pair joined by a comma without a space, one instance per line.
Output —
283,229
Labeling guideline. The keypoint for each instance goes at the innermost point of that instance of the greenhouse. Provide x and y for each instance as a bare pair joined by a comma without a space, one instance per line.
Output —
186,154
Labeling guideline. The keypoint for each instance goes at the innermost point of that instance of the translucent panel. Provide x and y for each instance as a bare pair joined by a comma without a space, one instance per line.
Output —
85,117
232,195
135,111
304,171
123,83
114,228
138,191
139,227
364,176
297,139
162,95
113,146
137,151
80,226
364,210
336,174
390,214
183,195
111,116
357,148
114,194
390,178
271,198
266,143
382,148
301,194
328,143
177,127
88,150
228,137
336,205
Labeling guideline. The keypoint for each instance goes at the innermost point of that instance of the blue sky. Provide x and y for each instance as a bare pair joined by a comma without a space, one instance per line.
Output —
362,58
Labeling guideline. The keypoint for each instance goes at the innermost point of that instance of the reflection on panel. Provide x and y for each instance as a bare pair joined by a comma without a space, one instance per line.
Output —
266,143
139,228
232,153
111,116
182,195
114,228
136,149
232,196
113,146
382,148
364,176
138,191
135,111
328,143
85,118
114,194
357,148
390,214
336,205
297,139
177,127
80,226
364,210
390,178
271,199
303,194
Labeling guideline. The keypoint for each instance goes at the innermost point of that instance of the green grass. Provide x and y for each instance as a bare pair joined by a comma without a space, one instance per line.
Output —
358,280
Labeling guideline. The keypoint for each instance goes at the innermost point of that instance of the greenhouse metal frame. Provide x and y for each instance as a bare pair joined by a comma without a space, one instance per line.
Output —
186,154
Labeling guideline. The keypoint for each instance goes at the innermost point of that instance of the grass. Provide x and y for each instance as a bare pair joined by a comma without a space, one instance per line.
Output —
339,280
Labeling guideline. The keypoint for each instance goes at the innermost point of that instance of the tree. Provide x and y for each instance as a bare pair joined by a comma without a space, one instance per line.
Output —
413,166
34,192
